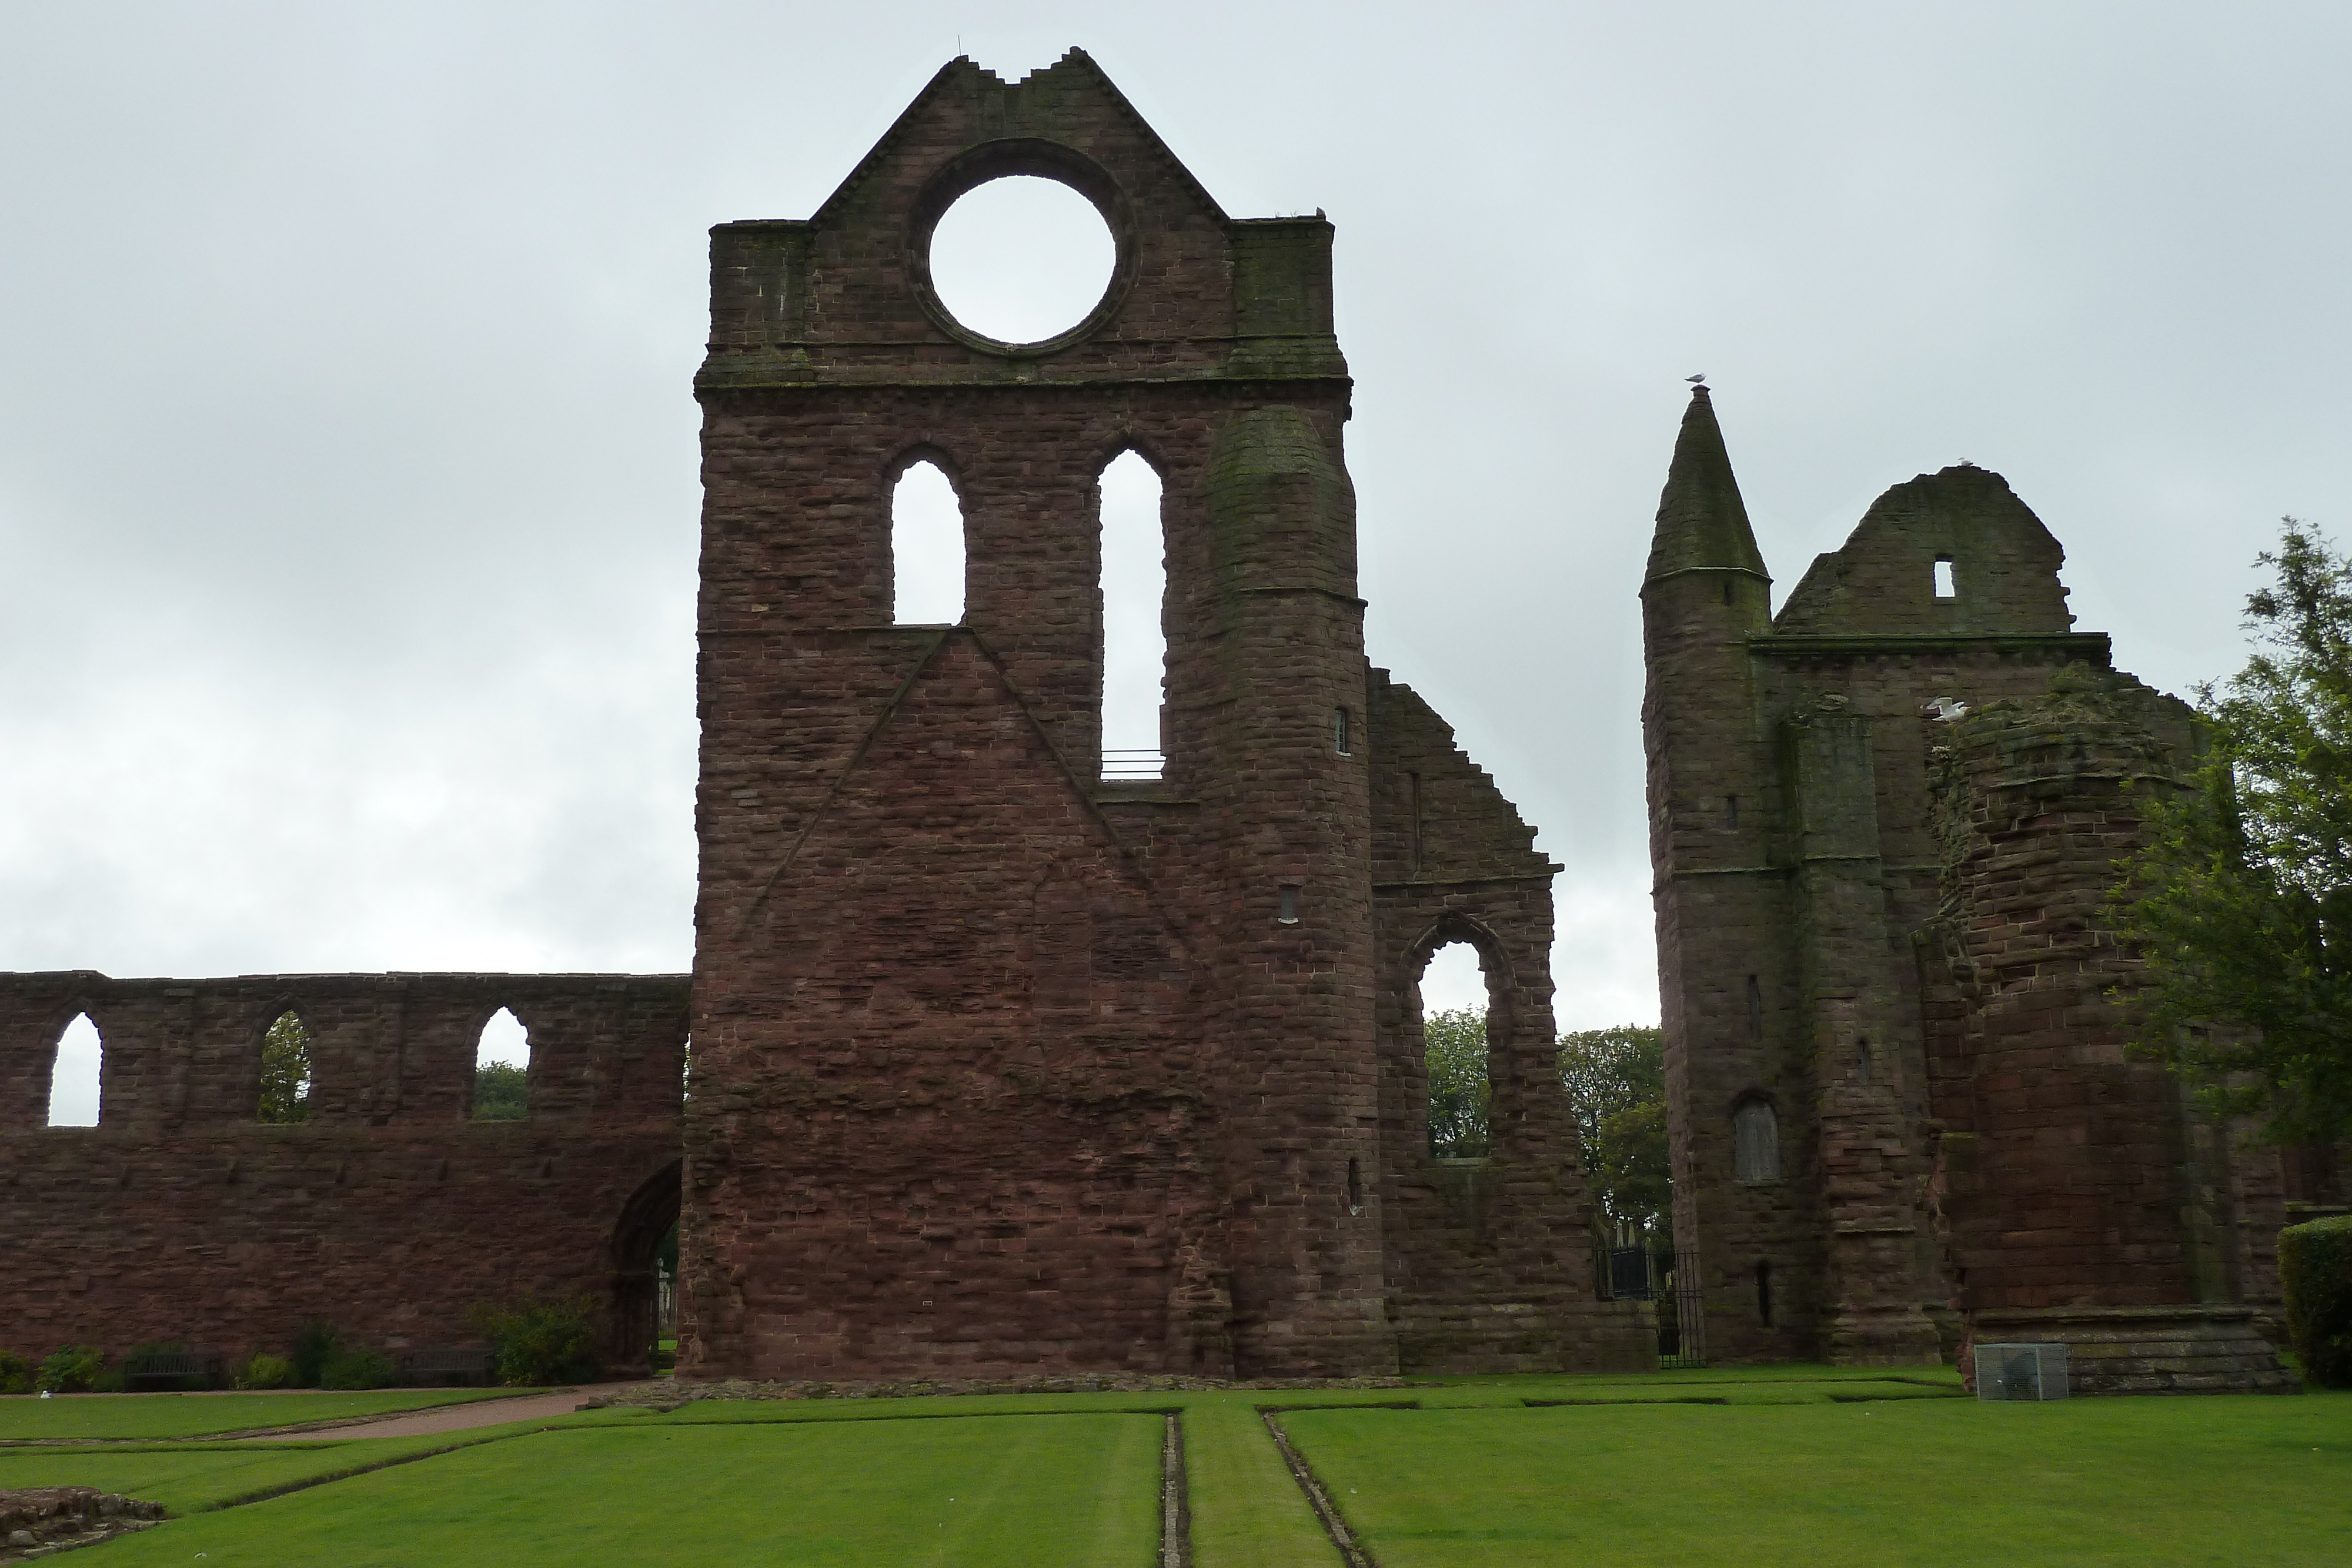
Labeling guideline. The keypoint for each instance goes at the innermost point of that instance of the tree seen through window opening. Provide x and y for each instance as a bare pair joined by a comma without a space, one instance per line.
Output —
502,1070
286,1072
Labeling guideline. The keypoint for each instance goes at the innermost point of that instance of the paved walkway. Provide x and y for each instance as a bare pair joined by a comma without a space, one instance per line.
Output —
451,1418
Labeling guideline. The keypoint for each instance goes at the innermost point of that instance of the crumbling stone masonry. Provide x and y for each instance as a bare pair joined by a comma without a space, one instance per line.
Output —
1882,822
1000,1066
389,1213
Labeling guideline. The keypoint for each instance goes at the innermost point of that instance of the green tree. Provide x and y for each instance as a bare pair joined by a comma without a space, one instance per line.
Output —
286,1070
1616,1083
1460,1092
2240,903
501,1092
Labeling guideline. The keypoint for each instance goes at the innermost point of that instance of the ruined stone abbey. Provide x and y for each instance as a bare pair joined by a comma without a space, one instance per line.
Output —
1001,1066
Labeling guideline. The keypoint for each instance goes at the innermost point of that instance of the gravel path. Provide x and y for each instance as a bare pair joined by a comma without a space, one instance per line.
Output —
453,1417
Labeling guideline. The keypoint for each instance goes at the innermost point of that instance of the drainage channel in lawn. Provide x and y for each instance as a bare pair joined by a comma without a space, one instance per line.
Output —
1336,1528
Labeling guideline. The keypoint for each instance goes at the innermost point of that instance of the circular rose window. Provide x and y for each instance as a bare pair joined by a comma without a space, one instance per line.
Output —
1020,259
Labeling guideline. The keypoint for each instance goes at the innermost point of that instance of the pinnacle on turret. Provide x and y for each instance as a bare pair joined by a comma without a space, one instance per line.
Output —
1702,521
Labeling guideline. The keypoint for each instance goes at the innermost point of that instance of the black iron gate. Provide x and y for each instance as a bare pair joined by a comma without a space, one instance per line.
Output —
1671,1282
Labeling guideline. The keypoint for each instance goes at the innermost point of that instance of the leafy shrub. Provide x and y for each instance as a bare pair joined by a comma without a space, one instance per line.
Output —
16,1373
501,1093
314,1346
2315,1267
541,1343
261,1371
356,1368
76,1369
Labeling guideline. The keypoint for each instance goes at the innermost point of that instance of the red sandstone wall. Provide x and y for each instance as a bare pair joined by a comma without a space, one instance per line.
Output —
1002,1067
2076,1175
1488,1262
180,1218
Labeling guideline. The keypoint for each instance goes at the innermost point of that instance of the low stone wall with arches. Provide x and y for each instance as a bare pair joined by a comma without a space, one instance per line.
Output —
387,1209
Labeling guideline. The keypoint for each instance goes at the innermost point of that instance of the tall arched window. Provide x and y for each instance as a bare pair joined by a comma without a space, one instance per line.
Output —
285,1071
73,1080
1135,637
1454,1017
926,548
1755,1143
502,1070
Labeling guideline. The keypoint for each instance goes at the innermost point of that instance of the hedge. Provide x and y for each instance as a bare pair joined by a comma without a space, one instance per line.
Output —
2315,1267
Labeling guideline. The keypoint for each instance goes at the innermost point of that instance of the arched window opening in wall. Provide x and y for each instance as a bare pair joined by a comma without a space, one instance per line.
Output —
1453,1015
285,1071
502,1070
1755,1143
926,548
1946,586
1135,637
73,1081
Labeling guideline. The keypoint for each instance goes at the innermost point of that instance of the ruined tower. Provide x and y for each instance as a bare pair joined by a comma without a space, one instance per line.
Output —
998,1064
1880,958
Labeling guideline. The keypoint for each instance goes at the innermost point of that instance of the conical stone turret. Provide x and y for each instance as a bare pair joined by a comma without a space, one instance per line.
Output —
1702,521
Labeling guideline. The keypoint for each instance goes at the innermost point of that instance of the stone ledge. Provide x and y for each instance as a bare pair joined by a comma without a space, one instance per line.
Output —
2147,1350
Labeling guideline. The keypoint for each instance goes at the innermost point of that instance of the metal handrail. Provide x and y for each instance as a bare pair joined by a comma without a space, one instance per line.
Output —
1132,762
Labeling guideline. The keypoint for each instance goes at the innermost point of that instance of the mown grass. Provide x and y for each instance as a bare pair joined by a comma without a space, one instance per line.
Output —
1795,1465
149,1416
1063,1491
186,1478
2245,1483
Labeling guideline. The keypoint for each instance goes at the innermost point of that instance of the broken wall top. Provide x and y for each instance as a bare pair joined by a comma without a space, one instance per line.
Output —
1882,581
845,297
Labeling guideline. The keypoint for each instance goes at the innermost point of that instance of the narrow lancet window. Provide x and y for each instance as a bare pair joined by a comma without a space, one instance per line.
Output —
1454,1054
926,548
285,1071
1342,740
502,1070
73,1081
1944,586
1755,1143
1134,600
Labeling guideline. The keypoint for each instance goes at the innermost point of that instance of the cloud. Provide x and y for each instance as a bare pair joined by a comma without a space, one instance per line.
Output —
347,459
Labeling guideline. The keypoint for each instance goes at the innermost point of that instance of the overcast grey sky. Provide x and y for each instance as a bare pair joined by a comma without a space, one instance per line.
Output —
347,455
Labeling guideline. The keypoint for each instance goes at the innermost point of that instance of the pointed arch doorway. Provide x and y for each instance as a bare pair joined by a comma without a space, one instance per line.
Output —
631,1319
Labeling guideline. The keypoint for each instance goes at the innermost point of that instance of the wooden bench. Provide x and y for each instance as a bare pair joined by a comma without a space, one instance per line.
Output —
172,1368
433,1365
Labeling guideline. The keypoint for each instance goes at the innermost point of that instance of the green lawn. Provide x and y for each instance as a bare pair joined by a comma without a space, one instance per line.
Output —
1759,1468
136,1416
2234,1482
186,1478
1031,1492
